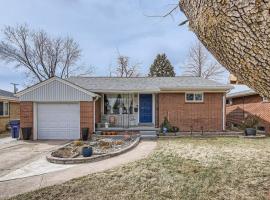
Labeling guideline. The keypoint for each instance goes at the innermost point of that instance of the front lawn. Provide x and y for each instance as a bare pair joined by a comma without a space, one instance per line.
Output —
221,168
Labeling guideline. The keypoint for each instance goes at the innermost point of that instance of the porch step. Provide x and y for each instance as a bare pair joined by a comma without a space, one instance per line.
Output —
147,124
148,135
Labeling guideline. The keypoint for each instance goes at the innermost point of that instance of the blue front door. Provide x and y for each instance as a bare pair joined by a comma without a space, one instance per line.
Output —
146,108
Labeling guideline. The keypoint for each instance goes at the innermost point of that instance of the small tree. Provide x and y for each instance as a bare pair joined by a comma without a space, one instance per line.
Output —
40,55
125,69
199,64
161,67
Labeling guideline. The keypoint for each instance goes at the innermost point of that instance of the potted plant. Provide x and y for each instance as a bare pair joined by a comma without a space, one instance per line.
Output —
26,133
165,126
106,125
250,125
87,151
85,134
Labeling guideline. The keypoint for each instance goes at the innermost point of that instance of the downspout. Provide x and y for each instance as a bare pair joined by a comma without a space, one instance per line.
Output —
224,112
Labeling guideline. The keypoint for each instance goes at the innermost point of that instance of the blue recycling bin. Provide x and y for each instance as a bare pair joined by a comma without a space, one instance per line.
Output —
15,128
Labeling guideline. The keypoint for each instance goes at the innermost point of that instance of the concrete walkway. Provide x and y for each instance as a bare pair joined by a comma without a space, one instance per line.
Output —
22,185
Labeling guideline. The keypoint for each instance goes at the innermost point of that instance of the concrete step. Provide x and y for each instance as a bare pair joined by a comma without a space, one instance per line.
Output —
148,133
148,137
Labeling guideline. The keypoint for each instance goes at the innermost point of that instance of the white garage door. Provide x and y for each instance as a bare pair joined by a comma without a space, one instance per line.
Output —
58,121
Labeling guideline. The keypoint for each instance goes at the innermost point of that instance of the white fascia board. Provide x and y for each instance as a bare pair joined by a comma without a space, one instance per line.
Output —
8,98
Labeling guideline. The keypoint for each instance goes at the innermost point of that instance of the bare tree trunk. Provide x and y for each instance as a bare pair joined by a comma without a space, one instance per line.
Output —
237,33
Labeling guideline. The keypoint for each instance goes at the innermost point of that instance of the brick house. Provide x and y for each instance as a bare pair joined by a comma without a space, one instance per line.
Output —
242,102
58,109
9,109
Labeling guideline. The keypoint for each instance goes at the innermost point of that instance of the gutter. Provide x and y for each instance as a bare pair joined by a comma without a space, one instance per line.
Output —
214,89
9,98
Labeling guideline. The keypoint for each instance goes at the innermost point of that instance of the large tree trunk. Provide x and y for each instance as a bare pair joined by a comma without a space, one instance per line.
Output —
237,33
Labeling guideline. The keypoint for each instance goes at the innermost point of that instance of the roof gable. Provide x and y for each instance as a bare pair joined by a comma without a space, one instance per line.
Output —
55,89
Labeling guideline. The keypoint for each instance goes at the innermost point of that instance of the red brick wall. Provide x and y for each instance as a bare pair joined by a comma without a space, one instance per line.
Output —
87,115
250,105
98,110
26,114
196,115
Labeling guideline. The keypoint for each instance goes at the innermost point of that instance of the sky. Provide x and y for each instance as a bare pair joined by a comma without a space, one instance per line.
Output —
102,28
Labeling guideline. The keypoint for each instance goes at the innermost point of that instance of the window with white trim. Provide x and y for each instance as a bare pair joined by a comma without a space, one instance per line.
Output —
4,109
194,97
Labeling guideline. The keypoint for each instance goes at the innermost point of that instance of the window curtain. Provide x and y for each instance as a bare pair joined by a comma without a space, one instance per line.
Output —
112,100
126,103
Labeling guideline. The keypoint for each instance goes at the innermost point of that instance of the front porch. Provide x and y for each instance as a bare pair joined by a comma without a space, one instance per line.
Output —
126,112
129,129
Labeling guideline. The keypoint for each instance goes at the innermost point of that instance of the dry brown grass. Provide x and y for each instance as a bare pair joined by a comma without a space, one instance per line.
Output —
222,168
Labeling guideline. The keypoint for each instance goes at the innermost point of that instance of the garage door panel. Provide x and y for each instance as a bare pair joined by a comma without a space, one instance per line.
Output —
58,121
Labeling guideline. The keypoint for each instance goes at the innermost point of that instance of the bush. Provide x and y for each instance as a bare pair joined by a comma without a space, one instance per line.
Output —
251,121
166,124
78,143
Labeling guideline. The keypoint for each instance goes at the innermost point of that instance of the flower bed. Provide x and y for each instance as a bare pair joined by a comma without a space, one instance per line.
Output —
103,147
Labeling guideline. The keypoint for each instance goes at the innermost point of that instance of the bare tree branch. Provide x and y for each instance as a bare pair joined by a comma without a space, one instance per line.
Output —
169,13
40,55
124,69
199,64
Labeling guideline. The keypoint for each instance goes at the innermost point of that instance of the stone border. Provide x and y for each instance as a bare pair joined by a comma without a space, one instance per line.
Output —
213,136
258,136
93,158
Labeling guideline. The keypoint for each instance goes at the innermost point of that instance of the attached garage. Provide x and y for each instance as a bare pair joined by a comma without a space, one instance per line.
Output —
58,121
57,110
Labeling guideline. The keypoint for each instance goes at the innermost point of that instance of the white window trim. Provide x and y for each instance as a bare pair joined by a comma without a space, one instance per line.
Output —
5,102
194,101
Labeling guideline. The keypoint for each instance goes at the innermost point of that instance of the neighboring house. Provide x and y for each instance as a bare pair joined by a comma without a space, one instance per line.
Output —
58,109
9,109
242,102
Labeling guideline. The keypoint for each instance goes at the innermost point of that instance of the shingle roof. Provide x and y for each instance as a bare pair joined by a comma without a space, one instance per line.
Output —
6,94
240,90
151,84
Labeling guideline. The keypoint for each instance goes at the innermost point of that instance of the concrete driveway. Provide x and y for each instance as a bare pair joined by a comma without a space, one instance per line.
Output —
17,186
15,154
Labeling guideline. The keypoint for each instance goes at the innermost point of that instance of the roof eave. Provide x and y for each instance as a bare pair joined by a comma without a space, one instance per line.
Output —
9,98
125,91
236,95
210,89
